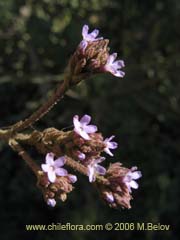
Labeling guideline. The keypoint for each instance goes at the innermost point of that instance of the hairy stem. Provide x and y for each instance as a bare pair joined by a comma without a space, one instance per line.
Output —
45,108
25,156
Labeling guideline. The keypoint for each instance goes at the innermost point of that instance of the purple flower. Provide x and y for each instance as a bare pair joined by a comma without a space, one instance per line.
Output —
81,156
113,66
72,178
130,177
53,167
110,145
51,202
82,128
94,168
90,37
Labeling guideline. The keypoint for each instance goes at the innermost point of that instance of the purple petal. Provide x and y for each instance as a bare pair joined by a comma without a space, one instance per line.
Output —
50,158
76,122
45,167
112,145
91,173
136,175
119,64
61,172
59,162
83,44
94,33
119,73
83,134
109,139
90,128
134,184
99,160
85,120
100,170
108,152
111,58
51,202
51,176
85,30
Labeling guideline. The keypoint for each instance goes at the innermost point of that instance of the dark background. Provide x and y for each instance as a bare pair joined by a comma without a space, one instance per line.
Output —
142,110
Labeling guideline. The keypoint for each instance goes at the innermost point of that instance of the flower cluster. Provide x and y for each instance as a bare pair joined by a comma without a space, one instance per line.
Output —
116,191
92,56
85,145
58,179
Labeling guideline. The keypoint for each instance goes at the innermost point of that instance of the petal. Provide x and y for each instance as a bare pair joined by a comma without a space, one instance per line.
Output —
108,152
100,170
85,120
119,64
50,158
91,173
83,44
112,145
111,58
136,175
85,30
90,129
59,162
134,184
94,33
84,135
109,139
51,202
119,73
99,160
72,178
76,122
45,167
61,172
51,176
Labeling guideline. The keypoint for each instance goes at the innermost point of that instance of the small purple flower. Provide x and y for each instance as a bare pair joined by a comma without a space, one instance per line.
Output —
81,156
113,66
51,202
130,177
53,167
94,168
110,145
82,128
90,37
72,178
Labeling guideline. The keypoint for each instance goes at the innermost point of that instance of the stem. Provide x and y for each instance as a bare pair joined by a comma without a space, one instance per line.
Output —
44,109
76,166
25,156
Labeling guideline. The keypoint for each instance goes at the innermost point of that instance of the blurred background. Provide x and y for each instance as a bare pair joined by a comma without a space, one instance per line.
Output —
142,109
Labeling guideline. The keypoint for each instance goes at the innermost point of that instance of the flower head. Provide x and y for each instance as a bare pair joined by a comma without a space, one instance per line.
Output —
82,128
113,66
129,178
53,167
94,168
110,145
